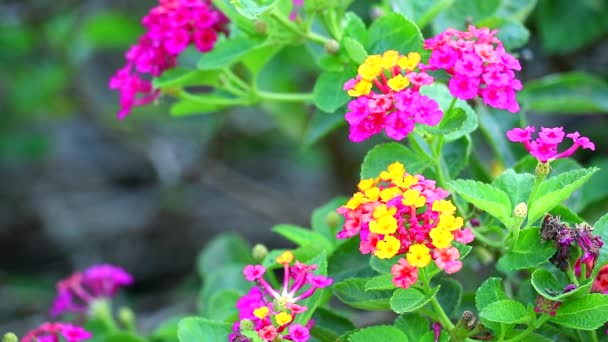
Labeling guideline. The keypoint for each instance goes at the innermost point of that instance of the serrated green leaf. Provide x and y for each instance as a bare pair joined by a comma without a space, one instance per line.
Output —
383,265
489,292
379,333
596,189
410,299
449,295
251,9
586,313
505,311
354,27
381,156
329,325
194,329
320,126
555,190
516,185
352,292
381,282
328,93
567,93
485,197
394,32
549,287
221,306
221,251
355,50
456,155
463,11
601,229
227,52
302,236
529,251
413,325
455,124
229,277
347,262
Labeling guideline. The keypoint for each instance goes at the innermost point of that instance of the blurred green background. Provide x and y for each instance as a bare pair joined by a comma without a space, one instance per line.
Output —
80,187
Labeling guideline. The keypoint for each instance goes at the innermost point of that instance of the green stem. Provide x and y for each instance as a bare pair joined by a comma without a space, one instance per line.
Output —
451,104
537,181
285,97
313,37
102,311
443,318
533,326
234,78
593,335
571,276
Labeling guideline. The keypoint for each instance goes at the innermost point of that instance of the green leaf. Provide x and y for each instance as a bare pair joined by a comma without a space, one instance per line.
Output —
251,9
383,265
123,337
202,104
601,229
352,292
221,251
379,333
505,311
549,287
485,197
454,124
567,93
381,156
421,11
329,325
394,32
347,262
596,188
528,251
492,124
229,277
586,313
381,282
322,218
228,9
354,27
183,77
321,125
489,292
564,28
302,236
512,33
413,325
327,93
111,30
463,11
255,60
227,52
410,299
166,331
516,9
355,50
221,306
555,190
516,185
456,155
194,329
449,295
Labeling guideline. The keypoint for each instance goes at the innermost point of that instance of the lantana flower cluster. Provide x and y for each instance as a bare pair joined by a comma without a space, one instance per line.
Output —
56,332
478,65
402,214
387,97
271,313
171,27
544,147
78,292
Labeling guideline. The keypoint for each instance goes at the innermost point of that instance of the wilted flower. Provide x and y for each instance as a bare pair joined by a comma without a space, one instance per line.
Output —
388,98
544,148
171,27
53,332
478,64
77,292
402,214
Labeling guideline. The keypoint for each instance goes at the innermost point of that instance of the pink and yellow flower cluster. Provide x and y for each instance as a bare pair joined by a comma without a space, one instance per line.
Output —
479,66
388,98
271,313
402,214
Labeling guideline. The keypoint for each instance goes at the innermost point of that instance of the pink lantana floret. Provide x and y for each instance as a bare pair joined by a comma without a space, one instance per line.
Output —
545,146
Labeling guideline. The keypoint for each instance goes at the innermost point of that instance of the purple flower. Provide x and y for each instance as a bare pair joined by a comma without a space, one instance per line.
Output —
51,332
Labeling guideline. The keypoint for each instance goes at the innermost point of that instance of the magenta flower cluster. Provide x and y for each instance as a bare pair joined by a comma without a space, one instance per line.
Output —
544,147
478,64
171,27
76,292
56,332
272,312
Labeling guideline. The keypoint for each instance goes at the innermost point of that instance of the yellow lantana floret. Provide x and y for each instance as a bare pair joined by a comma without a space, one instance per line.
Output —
398,82
389,193
406,182
444,207
382,210
362,87
285,258
449,222
413,197
387,248
419,255
441,238
282,318
394,171
369,71
389,59
261,312
365,184
410,62
384,225
355,201
372,194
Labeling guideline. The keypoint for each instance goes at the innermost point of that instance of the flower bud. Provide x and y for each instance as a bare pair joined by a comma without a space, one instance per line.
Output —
542,169
246,325
261,27
376,12
259,252
10,337
521,210
126,316
332,47
332,219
